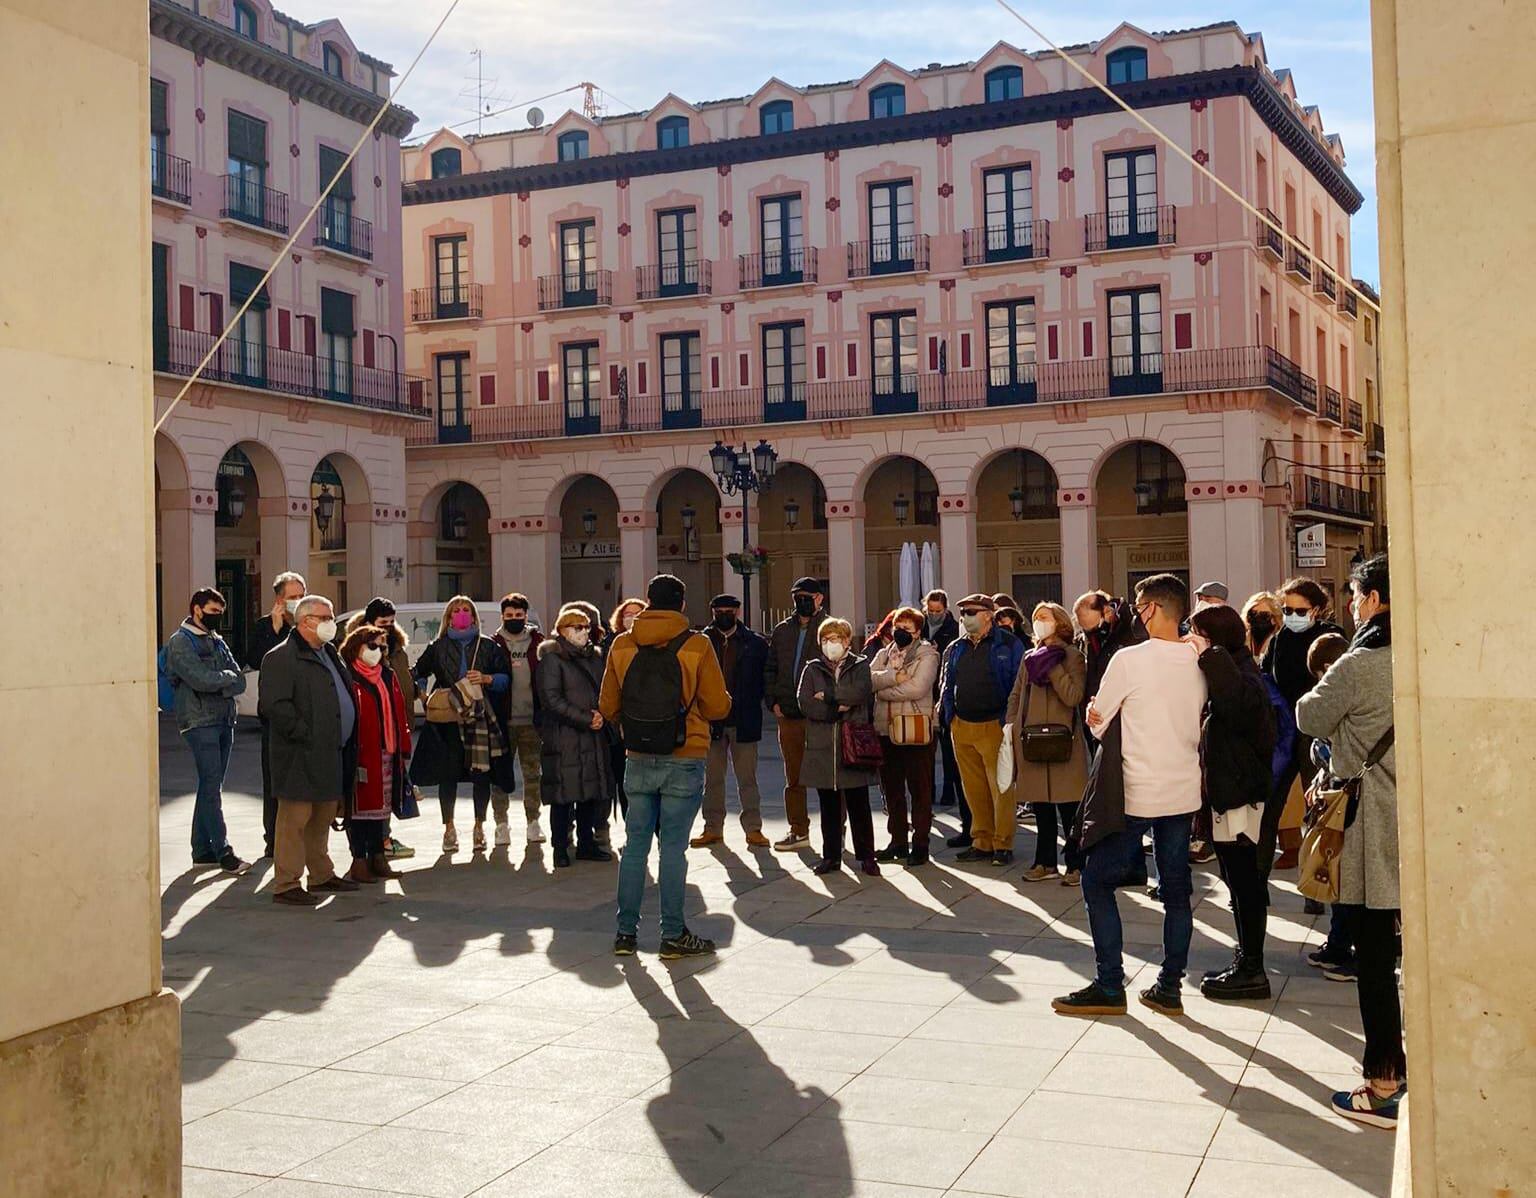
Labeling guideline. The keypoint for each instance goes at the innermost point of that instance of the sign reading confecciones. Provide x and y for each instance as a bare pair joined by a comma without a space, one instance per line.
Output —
1311,545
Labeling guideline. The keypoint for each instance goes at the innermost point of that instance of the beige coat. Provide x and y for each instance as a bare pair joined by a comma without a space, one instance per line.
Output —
1055,703
912,693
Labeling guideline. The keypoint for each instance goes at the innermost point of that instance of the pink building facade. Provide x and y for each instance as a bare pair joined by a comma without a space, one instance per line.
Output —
976,306
289,452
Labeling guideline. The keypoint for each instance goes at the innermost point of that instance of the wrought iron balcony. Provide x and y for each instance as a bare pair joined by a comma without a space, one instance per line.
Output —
334,230
1376,443
1298,263
1335,499
780,268
449,301
1269,240
888,256
170,177
665,280
1354,416
576,289
252,204
1104,231
1333,406
1348,305
1007,243
1308,396
1324,285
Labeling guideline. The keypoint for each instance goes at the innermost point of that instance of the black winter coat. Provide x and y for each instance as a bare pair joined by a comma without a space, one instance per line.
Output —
784,668
1102,812
309,761
440,751
576,761
747,685
1237,735
1098,648
947,633
263,640
1285,659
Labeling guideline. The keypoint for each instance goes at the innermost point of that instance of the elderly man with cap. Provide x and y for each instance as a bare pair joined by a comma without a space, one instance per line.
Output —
792,642
1211,594
743,656
978,675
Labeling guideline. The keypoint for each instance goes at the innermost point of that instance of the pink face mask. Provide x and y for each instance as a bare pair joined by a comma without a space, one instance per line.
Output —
462,620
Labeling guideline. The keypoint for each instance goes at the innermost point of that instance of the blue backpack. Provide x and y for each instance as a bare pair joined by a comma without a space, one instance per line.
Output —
166,681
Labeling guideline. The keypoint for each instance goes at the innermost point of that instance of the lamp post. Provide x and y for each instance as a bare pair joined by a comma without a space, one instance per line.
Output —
325,507
902,506
746,471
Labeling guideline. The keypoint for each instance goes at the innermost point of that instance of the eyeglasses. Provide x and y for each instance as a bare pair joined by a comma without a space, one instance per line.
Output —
1295,611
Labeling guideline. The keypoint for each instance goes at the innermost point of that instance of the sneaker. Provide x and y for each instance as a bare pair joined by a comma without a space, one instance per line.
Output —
827,865
756,840
1201,851
792,843
1163,997
705,839
1092,999
450,839
1239,983
1364,1105
204,859
974,854
593,853
479,840
1001,857
1039,873
230,863
686,945
336,885
535,831
917,857
397,850
503,834
1341,971
624,945
297,897
1073,877
963,841
891,854
1321,958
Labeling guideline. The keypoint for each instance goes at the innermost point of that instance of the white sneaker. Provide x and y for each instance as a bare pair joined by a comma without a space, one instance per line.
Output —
503,834
535,831
450,839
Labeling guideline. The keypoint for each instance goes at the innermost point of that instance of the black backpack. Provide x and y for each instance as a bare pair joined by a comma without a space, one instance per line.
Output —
651,709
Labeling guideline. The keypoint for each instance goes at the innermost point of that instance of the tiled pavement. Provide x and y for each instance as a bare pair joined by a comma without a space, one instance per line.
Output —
466,1031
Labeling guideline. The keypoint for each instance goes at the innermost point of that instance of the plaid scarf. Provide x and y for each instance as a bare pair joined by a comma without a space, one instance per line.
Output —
483,739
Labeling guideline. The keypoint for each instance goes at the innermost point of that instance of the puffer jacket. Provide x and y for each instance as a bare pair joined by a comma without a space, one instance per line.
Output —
920,663
823,767
575,761
207,677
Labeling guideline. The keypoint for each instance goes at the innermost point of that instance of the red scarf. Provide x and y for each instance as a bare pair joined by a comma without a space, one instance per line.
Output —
374,676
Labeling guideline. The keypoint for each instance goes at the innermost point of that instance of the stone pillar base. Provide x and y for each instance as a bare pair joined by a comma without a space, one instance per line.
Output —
93,1106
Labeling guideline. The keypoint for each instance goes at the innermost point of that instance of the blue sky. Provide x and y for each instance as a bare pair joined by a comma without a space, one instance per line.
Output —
707,50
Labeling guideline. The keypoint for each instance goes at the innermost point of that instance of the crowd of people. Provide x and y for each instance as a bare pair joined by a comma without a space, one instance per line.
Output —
1164,718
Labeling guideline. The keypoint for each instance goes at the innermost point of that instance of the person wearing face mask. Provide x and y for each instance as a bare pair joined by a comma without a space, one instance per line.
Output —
904,674
380,612
941,629
306,695
287,589
1011,619
621,621
518,706
1107,626
577,781
836,687
469,673
207,679
1046,699
743,656
382,750
792,643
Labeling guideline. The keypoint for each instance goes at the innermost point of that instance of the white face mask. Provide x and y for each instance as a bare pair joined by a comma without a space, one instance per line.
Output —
972,624
1298,621
577,636
291,606
833,650
1045,629
326,630
370,656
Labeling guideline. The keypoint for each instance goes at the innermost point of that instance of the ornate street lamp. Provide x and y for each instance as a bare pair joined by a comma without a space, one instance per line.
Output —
589,523
1143,492
688,515
325,508
902,506
459,525
234,503
746,471
791,515
1016,502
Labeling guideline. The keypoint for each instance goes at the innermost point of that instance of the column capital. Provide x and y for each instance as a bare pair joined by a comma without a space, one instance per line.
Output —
1075,497
731,517
375,513
845,509
295,507
637,519
198,501
959,504
1223,489
527,525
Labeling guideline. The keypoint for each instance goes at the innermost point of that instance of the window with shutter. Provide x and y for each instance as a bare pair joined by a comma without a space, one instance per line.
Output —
336,312
337,327
247,139
245,281
159,95
330,163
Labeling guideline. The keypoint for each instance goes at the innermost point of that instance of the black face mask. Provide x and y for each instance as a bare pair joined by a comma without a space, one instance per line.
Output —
1261,624
211,620
514,627
805,605
902,637
725,621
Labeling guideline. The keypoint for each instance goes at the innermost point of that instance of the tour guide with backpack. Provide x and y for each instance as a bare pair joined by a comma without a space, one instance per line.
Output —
663,686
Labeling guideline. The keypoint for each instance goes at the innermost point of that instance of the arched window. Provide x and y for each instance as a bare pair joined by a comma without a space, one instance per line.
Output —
889,99
245,21
574,146
1127,65
1005,83
334,65
672,132
778,116
446,163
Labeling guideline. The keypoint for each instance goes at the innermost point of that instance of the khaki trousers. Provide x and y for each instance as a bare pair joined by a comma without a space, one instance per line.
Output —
992,811
523,739
302,842
744,765
792,745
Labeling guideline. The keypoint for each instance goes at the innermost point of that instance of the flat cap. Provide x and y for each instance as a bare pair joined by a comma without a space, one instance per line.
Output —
807,586
725,601
1213,590
984,602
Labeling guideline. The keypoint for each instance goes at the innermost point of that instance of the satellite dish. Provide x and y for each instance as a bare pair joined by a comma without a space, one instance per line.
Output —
535,117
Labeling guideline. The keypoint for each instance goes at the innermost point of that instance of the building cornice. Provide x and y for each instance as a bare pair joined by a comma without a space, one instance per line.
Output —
1247,81
181,27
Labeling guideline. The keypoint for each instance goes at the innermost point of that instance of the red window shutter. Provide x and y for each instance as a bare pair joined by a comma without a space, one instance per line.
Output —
309,337
643,389
613,378
1052,342
821,361
416,390
1183,330
187,302
216,313
853,360
543,385
487,389
1087,338
742,370
965,351
284,329
368,348
714,371
933,353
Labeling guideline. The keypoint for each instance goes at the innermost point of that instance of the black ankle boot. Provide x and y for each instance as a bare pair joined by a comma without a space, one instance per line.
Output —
1245,981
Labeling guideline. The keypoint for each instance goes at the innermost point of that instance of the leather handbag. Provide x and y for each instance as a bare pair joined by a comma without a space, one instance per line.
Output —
914,727
860,745
1046,743
448,704
1330,810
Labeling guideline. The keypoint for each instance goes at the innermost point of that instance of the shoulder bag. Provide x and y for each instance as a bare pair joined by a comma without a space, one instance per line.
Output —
1046,744
860,745
448,704
1330,810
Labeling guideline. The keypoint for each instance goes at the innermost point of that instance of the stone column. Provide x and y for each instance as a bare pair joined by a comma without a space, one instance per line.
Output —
420,557
1079,542
532,545
845,552
388,555
958,573
1226,535
186,551
285,539
637,551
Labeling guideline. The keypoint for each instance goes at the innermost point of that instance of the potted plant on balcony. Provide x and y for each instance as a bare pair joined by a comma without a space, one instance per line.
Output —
748,563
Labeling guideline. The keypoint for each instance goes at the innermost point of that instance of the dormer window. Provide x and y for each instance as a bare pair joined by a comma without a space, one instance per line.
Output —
889,99
245,21
1127,66
335,67
1005,83
672,132
778,117
446,163
573,146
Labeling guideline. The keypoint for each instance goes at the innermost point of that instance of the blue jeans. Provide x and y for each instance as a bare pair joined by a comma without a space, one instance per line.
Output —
665,794
210,754
1109,863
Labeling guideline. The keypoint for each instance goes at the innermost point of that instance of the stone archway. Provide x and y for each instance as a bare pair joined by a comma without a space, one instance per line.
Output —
1142,515
791,521
901,506
589,544
341,532
1018,527
259,532
454,557
689,537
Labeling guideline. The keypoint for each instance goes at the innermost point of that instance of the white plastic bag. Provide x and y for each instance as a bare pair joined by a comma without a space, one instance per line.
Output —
1005,760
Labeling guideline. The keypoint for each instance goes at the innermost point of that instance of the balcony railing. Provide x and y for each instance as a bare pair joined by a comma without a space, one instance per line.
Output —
1007,243
1333,406
170,177
448,301
250,364
888,256
1298,263
1269,240
576,289
1335,499
335,230
1354,416
252,204
781,268
1324,285
1376,442
665,280
1020,384
1127,230
1348,305
1308,396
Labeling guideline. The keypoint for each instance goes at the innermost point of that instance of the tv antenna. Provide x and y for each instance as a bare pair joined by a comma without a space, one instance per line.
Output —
482,91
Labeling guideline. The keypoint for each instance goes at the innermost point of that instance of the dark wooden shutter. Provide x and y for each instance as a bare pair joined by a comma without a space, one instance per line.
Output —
244,281
336,313
330,163
487,389
247,138
159,118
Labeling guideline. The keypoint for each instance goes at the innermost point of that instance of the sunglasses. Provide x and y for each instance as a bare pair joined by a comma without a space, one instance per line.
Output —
971,611
1295,611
